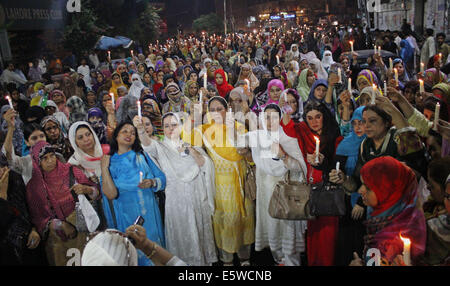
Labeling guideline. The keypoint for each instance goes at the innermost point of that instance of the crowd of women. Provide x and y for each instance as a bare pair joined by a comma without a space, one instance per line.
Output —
153,134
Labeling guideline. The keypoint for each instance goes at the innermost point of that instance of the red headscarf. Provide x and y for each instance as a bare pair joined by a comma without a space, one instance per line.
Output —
396,214
225,87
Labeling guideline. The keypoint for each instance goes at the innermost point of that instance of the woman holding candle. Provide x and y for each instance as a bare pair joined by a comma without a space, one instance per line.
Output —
120,183
318,123
56,137
391,197
233,219
366,78
190,192
116,83
247,73
291,98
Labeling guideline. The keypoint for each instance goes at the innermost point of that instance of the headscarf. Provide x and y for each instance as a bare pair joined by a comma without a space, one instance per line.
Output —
404,78
298,115
254,82
225,87
99,127
303,88
295,54
367,90
395,186
136,86
292,75
78,112
115,86
48,193
349,147
187,87
274,82
79,158
369,76
318,69
327,60
429,76
318,82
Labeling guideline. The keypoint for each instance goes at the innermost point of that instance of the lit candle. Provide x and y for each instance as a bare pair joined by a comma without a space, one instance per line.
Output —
139,108
436,116
112,98
10,102
421,86
440,57
132,54
422,68
374,49
339,75
205,82
406,250
351,45
374,90
317,149
350,85
278,60
379,50
337,166
396,76
385,88
109,54
201,97
391,65
141,175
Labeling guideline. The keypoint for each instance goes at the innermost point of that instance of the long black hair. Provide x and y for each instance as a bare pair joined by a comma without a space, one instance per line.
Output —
114,146
330,128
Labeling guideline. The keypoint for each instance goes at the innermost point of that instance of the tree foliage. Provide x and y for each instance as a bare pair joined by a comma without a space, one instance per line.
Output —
210,23
82,30
146,26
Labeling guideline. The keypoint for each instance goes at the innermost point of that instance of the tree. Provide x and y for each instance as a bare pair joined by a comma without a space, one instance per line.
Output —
210,23
146,28
82,31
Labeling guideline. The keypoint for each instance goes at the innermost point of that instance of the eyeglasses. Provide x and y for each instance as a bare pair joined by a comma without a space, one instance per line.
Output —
127,241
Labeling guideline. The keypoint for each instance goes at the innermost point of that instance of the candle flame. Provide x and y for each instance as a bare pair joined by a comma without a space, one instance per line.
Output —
405,240
316,138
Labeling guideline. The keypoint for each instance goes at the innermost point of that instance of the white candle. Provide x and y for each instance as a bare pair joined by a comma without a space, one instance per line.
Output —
139,108
350,85
112,98
109,54
201,97
351,45
374,49
374,90
422,68
339,75
10,102
132,54
385,88
317,149
391,65
436,116
141,175
422,89
278,60
337,166
396,76
379,50
406,250
205,82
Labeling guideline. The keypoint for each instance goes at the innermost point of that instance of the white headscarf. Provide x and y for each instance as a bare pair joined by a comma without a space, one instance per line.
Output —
295,54
109,249
327,60
91,165
318,69
136,86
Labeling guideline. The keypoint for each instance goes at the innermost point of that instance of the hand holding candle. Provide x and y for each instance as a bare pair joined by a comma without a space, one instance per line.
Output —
406,250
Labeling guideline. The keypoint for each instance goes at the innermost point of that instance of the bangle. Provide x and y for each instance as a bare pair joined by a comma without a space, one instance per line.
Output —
152,253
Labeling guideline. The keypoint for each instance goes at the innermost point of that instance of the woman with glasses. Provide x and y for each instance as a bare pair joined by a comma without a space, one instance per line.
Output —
131,193
233,219
189,192
56,137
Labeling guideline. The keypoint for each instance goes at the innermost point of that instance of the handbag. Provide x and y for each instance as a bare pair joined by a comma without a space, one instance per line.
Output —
250,181
327,199
290,200
87,219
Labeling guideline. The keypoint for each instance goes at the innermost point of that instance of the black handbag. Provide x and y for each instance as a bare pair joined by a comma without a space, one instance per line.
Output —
327,199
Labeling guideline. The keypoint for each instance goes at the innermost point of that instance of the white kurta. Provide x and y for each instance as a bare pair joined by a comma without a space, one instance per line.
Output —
284,236
189,204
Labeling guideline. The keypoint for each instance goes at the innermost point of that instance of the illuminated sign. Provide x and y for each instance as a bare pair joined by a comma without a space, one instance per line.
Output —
289,16
275,17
